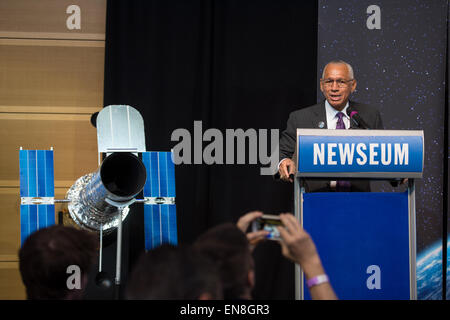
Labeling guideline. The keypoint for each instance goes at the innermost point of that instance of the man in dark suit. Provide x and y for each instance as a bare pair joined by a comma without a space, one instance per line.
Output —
336,84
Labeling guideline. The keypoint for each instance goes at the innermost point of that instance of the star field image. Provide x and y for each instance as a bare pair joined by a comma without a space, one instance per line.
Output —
400,69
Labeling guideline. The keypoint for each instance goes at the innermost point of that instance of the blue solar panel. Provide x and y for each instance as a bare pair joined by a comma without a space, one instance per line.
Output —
50,180
160,174
40,157
151,185
36,173
160,225
160,220
24,222
36,181
34,217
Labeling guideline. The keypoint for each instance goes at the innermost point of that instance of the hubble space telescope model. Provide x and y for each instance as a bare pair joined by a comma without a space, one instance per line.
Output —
100,201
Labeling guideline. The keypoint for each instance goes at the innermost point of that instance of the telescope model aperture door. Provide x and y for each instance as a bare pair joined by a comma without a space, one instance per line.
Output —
120,128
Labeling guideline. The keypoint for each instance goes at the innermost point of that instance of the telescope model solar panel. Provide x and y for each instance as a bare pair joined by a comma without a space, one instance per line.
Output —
37,191
160,220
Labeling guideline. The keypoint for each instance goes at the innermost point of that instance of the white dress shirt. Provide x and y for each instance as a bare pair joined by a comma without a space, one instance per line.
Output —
332,116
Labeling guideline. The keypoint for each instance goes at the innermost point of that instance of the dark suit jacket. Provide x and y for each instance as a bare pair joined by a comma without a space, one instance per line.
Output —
312,118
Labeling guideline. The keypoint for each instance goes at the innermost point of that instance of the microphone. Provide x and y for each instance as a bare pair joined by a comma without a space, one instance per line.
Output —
356,119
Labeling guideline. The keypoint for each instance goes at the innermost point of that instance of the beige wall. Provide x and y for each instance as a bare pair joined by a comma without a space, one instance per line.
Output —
51,81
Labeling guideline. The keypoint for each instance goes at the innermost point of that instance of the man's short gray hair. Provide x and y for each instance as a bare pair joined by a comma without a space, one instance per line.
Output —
349,67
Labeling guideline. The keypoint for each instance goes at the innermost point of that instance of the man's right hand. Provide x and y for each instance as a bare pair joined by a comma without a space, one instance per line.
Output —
287,168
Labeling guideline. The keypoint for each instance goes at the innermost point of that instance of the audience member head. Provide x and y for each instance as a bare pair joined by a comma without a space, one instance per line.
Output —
173,273
229,248
47,254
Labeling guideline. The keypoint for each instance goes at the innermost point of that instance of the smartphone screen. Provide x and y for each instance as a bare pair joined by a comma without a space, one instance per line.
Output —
268,223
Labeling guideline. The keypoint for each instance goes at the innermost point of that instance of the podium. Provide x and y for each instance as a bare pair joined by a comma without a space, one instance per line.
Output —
366,240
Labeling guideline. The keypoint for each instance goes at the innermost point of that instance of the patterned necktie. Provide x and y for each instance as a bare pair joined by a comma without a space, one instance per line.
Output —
342,186
340,123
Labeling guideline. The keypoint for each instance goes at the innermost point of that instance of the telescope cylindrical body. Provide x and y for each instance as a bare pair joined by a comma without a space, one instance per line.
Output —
120,178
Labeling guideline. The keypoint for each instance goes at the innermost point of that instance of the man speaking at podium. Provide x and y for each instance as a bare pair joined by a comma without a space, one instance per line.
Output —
335,112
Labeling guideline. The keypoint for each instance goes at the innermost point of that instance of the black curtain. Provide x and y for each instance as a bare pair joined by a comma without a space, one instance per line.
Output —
230,64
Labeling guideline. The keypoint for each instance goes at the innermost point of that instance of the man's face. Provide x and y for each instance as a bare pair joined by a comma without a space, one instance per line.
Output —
336,86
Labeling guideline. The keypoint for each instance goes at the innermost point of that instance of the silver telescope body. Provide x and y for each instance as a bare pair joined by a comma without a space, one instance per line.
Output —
96,197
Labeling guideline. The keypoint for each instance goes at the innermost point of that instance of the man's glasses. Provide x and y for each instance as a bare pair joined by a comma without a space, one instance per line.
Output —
340,82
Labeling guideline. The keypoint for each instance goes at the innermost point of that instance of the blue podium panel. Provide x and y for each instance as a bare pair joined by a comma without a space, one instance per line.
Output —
37,208
363,242
160,219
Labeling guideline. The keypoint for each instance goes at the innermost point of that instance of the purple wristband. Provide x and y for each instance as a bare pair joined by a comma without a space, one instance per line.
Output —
317,280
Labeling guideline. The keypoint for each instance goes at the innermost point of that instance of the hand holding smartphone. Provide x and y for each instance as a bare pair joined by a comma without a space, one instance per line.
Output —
268,223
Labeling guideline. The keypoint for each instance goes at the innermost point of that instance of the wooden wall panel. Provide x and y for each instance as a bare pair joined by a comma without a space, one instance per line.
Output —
26,18
50,75
9,223
11,287
73,138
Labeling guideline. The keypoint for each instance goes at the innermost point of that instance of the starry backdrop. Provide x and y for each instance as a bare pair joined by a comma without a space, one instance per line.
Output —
400,68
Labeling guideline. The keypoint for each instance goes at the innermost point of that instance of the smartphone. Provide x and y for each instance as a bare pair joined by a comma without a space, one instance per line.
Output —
269,223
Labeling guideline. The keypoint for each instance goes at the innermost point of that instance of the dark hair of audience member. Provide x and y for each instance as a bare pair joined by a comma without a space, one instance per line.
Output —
45,256
229,248
173,273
